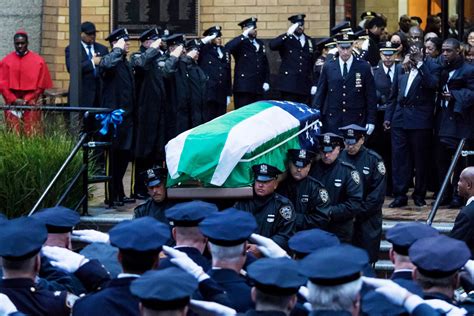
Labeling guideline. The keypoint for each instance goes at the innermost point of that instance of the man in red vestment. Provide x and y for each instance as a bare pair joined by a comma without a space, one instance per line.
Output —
24,76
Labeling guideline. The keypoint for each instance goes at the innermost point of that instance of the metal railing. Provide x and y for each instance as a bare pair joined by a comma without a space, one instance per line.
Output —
84,142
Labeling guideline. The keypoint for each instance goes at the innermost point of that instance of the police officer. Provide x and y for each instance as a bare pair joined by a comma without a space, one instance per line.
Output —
342,180
157,203
294,79
139,242
119,93
150,120
21,240
369,164
323,46
274,213
346,93
214,60
384,74
308,241
252,72
308,195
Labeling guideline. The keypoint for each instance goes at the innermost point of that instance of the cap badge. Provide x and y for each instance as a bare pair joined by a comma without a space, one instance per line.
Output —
302,154
263,169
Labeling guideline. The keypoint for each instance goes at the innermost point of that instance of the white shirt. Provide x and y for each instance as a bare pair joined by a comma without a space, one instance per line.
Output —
87,51
257,45
411,77
348,62
446,89
302,40
470,200
392,71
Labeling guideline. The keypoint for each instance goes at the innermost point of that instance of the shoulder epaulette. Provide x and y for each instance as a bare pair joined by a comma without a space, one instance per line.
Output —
347,164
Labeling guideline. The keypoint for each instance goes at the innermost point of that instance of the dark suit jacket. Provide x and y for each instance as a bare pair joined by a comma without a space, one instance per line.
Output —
346,101
89,95
295,75
383,85
464,226
416,109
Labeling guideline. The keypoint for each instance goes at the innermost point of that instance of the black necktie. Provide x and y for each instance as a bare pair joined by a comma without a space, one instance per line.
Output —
344,70
388,74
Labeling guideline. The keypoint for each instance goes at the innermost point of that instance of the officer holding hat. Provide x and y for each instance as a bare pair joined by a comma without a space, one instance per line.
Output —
345,93
157,203
214,60
117,75
274,213
369,164
297,56
252,72
342,180
308,195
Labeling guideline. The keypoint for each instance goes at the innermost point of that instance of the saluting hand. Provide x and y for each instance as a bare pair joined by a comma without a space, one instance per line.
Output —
120,44
177,51
247,31
209,38
156,43
292,28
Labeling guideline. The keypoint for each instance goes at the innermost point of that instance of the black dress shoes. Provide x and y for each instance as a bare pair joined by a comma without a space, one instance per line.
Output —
419,202
398,203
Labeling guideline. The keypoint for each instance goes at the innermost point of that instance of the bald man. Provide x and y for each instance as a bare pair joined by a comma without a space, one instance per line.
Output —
464,225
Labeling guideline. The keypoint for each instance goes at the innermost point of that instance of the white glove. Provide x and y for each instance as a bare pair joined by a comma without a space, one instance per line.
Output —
303,291
365,44
469,266
209,38
120,44
247,31
205,308
228,100
64,259
268,247
6,305
182,260
90,236
332,51
391,290
156,44
266,87
292,29
369,128
313,90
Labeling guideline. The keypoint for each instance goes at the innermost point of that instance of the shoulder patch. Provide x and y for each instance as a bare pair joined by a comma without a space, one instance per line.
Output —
324,195
355,176
381,167
286,212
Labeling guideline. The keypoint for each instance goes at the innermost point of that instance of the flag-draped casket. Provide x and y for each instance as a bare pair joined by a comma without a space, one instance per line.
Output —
221,152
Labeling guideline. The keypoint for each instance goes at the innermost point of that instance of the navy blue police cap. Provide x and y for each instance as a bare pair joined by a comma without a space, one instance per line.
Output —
301,157
216,29
352,133
345,40
58,219
368,14
231,227
88,27
439,256
150,34
334,265
106,254
193,44
175,39
298,18
166,289
118,34
308,241
141,234
276,276
250,22
342,27
189,214
265,172
325,42
154,176
22,238
388,48
361,34
403,235
329,141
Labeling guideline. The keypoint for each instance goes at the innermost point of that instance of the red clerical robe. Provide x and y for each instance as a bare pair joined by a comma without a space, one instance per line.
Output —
24,78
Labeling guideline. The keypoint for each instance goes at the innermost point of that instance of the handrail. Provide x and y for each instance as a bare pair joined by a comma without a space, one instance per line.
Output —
433,211
68,160
55,108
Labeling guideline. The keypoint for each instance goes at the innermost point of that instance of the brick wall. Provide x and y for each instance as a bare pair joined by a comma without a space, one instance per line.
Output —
272,16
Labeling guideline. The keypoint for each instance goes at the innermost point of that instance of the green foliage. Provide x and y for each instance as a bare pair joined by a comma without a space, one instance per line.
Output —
27,166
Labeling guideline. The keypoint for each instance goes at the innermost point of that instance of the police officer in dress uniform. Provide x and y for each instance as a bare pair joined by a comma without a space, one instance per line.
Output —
157,203
274,213
346,93
384,74
323,46
252,73
150,120
342,180
119,93
139,242
308,195
369,164
185,218
294,80
21,240
308,241
214,60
